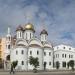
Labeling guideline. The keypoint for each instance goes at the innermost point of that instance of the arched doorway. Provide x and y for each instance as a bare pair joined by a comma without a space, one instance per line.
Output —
7,62
8,58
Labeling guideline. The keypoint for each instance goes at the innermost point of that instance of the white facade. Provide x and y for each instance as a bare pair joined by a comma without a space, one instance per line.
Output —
63,54
48,58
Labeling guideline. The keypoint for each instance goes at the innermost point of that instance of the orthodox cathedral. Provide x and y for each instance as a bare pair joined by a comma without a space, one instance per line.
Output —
24,44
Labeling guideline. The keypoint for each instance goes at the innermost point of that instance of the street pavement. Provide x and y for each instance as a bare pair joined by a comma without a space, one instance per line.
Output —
40,73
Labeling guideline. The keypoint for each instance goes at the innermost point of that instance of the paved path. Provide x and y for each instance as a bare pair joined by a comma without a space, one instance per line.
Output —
39,73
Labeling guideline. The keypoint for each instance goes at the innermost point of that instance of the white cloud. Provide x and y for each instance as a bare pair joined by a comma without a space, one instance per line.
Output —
12,13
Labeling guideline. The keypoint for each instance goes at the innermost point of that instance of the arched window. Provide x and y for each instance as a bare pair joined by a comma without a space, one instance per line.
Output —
8,57
69,48
64,64
22,62
8,46
69,55
26,35
37,52
63,47
62,55
16,52
65,55
49,63
45,37
30,52
49,53
44,53
30,35
22,52
20,34
9,38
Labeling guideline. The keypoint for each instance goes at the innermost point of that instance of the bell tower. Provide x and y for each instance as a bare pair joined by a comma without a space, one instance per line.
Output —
8,41
7,50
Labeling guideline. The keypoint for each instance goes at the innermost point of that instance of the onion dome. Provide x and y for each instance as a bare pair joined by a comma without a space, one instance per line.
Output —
43,32
29,26
19,28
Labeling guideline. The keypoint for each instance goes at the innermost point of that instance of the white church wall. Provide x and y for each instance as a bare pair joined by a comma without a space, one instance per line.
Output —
32,51
48,58
20,56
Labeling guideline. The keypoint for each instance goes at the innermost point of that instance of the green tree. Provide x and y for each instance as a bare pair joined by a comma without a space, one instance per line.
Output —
57,65
14,63
71,64
34,61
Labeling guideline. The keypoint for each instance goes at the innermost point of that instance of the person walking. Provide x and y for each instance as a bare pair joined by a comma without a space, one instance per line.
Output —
12,69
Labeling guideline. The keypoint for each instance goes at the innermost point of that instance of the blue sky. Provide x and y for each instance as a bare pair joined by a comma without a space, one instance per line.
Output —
57,16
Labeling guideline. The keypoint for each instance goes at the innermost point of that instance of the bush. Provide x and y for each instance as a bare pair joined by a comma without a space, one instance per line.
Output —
14,63
34,61
71,64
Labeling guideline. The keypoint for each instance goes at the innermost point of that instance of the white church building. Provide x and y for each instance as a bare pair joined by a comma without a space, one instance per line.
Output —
25,44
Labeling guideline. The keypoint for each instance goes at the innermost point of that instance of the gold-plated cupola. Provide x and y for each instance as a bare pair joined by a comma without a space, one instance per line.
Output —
29,26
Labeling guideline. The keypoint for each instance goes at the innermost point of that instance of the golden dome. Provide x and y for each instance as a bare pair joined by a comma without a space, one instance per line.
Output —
29,26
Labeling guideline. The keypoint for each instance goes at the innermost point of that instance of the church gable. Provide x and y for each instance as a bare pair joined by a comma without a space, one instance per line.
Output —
35,42
21,43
